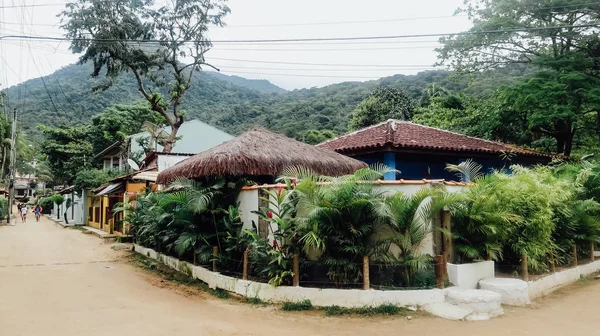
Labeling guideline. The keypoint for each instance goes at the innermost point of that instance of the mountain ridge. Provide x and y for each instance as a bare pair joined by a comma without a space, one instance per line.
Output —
232,103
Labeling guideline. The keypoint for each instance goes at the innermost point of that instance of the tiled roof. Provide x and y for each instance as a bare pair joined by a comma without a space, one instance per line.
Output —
404,134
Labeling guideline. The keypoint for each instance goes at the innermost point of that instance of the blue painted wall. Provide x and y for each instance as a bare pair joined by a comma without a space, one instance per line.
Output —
417,167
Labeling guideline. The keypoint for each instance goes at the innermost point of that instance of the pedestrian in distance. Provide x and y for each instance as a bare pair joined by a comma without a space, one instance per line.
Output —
24,213
38,212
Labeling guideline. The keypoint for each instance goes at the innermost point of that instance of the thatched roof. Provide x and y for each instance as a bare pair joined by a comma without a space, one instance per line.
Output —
260,152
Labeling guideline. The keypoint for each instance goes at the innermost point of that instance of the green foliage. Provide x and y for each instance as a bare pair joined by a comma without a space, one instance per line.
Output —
536,212
47,204
383,104
219,293
67,150
118,122
385,309
475,52
189,220
181,30
3,208
88,179
297,306
58,199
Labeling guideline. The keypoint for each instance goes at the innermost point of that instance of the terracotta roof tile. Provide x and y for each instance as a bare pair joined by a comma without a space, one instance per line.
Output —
404,134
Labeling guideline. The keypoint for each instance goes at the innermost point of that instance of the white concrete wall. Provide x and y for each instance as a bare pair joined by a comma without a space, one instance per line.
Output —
248,202
467,276
348,298
167,161
554,281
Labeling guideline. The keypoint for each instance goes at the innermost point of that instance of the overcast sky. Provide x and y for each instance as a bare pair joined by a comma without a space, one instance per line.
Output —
267,19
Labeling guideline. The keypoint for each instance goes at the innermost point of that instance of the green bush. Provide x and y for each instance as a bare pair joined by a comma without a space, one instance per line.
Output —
47,204
297,306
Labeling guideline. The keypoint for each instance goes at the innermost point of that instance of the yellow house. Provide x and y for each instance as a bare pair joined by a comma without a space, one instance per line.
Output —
103,200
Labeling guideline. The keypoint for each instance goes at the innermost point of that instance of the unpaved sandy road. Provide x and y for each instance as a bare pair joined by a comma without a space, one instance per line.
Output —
56,281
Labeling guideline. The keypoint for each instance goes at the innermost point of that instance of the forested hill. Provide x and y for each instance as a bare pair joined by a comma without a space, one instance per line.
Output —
232,103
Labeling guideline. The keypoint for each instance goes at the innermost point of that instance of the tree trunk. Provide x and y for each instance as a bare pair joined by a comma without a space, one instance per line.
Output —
560,143
569,144
168,147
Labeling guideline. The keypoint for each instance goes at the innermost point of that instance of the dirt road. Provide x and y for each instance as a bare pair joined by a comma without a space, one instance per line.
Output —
56,281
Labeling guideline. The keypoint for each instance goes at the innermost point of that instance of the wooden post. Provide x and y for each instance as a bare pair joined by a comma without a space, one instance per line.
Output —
245,271
446,225
296,269
366,278
440,270
552,263
592,249
215,254
194,257
524,267
574,255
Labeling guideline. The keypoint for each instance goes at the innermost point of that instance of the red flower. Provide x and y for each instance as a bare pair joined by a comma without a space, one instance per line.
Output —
274,243
270,214
279,191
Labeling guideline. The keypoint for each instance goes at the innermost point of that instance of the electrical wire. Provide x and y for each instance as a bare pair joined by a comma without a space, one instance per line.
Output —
322,39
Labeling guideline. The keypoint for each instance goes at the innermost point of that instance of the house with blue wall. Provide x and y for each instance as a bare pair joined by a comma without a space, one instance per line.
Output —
422,152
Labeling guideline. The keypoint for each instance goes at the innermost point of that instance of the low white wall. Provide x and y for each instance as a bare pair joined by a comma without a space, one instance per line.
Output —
552,282
467,276
248,202
348,298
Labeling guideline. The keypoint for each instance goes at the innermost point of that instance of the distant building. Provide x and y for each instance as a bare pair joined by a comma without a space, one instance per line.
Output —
194,137
422,152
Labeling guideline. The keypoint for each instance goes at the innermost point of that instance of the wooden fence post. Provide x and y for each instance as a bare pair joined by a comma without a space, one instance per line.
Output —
447,226
574,255
296,270
440,270
592,250
245,270
215,254
366,278
524,267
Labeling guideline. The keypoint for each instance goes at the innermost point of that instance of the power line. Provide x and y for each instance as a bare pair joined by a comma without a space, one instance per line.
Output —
330,49
225,67
346,22
320,64
32,5
322,39
298,75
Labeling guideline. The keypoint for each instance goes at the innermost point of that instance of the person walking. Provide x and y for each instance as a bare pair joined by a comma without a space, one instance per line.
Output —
24,213
38,212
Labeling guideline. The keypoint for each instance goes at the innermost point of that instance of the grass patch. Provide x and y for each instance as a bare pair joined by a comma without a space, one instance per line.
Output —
254,301
219,293
297,306
385,309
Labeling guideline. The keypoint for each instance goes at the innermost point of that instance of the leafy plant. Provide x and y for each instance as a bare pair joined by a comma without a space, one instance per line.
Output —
297,306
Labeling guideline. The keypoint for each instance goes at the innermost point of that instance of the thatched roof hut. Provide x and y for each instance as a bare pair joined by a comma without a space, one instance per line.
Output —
260,153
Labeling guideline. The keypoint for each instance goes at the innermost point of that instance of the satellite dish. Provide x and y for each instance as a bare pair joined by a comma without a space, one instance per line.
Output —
132,164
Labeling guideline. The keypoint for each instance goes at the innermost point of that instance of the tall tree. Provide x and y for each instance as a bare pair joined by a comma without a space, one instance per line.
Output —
67,149
161,46
557,102
118,122
383,104
519,31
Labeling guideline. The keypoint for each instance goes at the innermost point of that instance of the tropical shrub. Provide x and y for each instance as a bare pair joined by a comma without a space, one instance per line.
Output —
47,204
189,220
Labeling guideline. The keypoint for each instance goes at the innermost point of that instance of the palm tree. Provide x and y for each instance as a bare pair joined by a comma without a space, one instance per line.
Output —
338,218
411,222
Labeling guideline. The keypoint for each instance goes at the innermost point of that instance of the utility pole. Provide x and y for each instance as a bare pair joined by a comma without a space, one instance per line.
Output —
13,160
